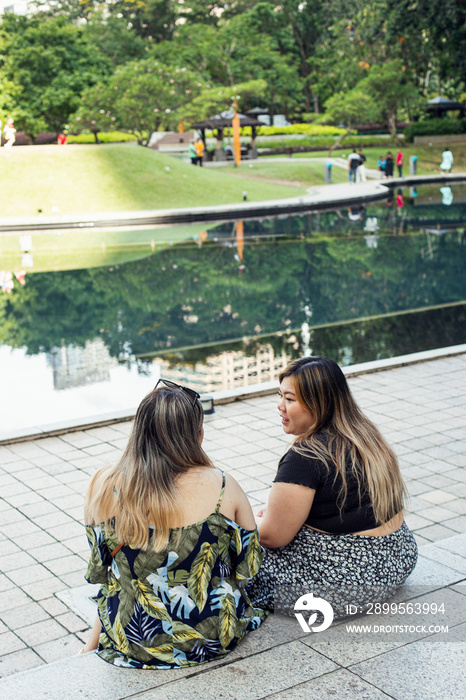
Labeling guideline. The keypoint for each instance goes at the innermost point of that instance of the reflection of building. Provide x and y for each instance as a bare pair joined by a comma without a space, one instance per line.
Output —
228,370
75,366
18,7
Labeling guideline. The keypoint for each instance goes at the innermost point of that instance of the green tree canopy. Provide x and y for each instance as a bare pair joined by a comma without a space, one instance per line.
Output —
49,62
139,98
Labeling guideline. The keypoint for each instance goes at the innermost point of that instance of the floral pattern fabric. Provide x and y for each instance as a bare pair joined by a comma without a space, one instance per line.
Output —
179,607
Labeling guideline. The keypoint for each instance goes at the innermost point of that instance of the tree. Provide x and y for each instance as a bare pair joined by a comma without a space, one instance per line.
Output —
49,62
213,100
390,89
297,30
349,109
236,53
139,98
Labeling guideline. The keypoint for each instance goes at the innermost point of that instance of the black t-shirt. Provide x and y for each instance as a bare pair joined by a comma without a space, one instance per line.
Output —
356,515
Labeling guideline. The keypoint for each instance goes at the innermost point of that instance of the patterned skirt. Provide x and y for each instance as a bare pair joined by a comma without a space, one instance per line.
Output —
342,569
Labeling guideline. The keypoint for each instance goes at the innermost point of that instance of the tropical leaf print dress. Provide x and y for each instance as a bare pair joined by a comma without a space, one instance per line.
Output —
180,607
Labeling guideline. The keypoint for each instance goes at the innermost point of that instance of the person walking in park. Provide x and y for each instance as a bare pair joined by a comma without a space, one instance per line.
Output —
192,152
381,166
389,164
9,133
334,520
173,544
399,163
447,161
353,162
361,169
199,150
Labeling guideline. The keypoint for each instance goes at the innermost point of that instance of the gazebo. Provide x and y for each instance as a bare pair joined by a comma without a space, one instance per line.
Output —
440,105
220,122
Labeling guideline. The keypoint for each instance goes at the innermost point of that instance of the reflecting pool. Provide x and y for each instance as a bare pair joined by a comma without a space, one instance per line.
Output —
90,319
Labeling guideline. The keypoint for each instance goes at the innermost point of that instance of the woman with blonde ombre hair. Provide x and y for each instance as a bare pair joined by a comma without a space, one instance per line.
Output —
334,520
173,544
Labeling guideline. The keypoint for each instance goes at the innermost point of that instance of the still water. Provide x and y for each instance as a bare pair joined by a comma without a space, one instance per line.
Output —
90,319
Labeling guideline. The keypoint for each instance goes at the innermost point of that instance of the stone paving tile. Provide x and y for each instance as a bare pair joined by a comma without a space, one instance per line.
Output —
41,632
435,532
19,661
71,622
458,524
17,560
458,506
437,497
23,616
75,578
29,574
66,565
80,439
43,589
8,547
53,606
59,648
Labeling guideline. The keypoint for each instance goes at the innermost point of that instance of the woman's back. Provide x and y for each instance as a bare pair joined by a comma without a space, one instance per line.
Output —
180,606
173,544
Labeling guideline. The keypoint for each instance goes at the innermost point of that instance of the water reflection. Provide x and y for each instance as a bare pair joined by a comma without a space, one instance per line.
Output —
229,304
447,196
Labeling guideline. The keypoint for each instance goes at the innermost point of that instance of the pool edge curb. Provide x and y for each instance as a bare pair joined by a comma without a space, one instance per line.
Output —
223,397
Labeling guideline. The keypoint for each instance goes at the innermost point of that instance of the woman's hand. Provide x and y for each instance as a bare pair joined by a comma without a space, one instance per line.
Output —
286,513
260,514
93,641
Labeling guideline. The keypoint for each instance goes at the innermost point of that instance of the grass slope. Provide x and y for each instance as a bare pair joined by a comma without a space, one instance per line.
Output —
78,179
291,170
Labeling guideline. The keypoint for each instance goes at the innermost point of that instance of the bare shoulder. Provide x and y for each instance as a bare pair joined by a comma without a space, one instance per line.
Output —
237,501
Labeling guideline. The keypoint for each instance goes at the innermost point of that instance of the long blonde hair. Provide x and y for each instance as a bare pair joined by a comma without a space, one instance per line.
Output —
342,434
140,490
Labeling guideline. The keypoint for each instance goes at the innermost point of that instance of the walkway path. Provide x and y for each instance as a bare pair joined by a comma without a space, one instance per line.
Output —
421,409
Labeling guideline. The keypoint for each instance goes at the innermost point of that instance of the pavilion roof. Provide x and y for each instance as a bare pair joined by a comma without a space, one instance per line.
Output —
443,104
220,121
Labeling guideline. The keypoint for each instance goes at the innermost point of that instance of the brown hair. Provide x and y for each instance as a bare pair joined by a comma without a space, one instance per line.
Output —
349,436
140,490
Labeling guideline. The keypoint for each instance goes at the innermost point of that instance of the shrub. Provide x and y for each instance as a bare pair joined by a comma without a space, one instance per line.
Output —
103,136
435,127
322,143
303,129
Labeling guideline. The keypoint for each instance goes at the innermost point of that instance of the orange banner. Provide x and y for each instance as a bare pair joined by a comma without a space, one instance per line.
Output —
240,239
236,138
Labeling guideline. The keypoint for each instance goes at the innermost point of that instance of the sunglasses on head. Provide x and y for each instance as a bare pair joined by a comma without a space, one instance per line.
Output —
171,385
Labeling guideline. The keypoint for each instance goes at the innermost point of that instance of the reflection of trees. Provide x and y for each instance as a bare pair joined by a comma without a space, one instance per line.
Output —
185,295
389,337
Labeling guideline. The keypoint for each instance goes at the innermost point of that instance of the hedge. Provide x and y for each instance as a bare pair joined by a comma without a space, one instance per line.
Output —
435,127
323,143
103,136
304,129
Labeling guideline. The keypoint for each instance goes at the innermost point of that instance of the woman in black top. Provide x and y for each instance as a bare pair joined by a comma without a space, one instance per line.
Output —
389,164
334,519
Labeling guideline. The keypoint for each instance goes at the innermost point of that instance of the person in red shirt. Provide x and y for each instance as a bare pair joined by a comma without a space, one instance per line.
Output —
399,163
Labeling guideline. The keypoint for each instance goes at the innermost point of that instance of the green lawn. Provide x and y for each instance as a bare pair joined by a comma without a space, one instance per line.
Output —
77,179
291,170
88,179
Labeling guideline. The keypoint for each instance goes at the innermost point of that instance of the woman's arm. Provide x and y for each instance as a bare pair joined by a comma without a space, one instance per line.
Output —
93,640
286,513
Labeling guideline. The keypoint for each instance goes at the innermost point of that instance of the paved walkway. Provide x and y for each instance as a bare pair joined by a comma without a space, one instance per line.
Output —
421,409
